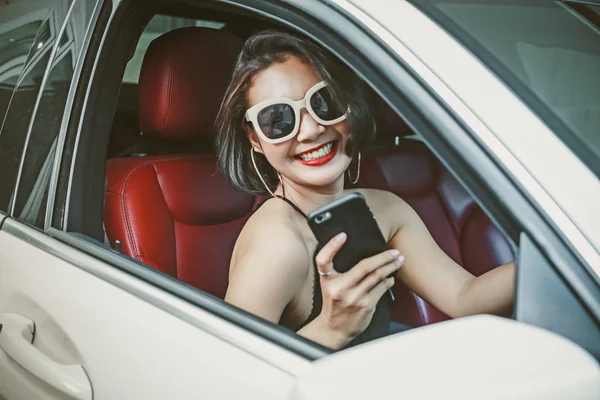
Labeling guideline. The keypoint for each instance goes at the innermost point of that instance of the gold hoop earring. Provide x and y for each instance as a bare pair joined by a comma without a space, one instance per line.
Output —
260,175
354,181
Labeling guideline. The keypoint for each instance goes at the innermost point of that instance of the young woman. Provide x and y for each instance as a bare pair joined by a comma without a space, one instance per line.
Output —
293,121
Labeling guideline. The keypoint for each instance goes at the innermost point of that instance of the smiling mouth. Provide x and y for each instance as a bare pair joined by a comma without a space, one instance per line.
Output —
318,156
320,152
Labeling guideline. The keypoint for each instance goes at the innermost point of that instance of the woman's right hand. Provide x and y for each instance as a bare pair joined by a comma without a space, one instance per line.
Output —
350,298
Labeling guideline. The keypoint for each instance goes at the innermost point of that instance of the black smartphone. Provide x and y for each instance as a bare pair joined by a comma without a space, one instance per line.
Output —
349,214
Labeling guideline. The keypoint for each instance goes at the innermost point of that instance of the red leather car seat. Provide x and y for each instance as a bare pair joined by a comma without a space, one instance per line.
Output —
176,213
407,168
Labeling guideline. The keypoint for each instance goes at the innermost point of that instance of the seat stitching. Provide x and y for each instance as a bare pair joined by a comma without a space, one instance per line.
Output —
169,89
124,207
125,213
174,158
172,217
129,231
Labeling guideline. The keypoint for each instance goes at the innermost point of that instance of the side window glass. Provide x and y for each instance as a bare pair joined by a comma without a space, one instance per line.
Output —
15,43
42,141
25,42
32,192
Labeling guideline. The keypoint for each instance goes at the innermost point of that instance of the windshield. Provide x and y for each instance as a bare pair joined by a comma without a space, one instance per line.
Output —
548,52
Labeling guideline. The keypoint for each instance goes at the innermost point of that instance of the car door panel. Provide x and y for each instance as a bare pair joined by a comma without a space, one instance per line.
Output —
37,373
477,357
127,347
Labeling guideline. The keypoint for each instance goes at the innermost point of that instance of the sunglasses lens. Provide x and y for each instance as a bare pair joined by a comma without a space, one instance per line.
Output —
324,106
276,121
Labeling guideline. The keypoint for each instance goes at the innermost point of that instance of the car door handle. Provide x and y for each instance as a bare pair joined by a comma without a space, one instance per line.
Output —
16,335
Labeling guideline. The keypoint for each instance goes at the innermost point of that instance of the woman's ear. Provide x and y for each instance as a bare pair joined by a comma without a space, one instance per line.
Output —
254,142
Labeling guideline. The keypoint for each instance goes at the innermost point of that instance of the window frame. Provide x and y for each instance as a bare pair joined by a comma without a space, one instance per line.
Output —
398,85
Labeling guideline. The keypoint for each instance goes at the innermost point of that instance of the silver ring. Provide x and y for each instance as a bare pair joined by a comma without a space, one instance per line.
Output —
324,273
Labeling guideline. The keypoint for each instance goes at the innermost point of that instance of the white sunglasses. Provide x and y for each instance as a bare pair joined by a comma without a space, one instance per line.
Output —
277,120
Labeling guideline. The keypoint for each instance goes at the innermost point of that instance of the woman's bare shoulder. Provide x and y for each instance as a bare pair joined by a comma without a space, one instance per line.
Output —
389,209
274,216
269,265
269,237
382,199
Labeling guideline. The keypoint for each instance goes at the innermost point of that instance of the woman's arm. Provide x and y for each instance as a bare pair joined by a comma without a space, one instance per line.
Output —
490,293
269,270
270,267
430,273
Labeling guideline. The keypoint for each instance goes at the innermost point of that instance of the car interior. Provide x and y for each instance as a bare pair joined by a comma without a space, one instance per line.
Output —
168,206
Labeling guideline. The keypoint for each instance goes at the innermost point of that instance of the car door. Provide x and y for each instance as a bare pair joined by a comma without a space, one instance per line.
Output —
72,326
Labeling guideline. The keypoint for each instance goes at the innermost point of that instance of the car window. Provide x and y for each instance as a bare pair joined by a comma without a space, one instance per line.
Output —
35,174
15,43
42,142
24,54
548,52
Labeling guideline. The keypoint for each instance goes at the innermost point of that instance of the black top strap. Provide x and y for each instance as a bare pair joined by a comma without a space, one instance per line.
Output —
295,207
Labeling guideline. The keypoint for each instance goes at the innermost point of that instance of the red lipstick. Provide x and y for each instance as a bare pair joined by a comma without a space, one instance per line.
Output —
319,161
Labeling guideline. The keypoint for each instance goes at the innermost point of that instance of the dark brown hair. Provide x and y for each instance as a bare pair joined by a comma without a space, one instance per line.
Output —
260,51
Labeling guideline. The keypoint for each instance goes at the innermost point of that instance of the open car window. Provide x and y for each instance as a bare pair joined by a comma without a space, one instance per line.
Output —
197,237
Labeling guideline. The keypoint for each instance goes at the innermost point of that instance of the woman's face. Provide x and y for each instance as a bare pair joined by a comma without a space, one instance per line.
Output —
304,159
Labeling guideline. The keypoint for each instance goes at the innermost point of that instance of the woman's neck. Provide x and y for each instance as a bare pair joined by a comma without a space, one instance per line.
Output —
310,198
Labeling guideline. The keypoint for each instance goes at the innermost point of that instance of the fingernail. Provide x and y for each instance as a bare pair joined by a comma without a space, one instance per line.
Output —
340,237
395,253
399,261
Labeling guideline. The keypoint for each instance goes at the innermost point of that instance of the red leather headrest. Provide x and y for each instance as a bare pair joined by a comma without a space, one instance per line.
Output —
184,76
408,170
